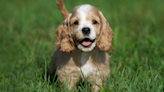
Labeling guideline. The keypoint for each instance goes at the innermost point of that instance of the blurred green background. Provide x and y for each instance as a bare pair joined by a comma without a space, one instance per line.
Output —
27,40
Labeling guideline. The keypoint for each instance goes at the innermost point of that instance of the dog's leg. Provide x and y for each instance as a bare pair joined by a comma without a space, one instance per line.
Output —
70,77
96,82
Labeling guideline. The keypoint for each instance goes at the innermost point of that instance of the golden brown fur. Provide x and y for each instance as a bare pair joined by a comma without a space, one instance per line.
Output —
104,41
67,66
71,62
62,9
64,38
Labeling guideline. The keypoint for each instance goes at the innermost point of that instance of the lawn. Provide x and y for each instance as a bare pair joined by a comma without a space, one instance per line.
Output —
27,40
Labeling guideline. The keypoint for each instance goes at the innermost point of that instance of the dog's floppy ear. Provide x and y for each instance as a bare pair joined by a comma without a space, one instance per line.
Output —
104,41
64,37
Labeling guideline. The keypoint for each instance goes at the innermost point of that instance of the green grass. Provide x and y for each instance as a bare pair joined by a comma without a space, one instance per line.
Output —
27,39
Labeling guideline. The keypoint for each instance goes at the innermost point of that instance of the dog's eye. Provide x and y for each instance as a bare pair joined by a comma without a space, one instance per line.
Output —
94,22
76,23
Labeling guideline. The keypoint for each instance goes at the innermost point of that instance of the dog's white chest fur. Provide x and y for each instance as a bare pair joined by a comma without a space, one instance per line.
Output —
86,66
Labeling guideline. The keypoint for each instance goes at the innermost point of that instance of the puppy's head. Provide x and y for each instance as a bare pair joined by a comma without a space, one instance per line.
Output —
85,28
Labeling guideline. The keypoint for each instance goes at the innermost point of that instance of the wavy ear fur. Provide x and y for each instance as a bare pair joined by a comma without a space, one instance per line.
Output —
104,41
64,38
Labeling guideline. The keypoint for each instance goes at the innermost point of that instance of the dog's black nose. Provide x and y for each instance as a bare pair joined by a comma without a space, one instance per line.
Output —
86,30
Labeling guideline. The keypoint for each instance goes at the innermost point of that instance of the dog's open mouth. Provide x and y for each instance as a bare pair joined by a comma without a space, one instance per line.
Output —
86,42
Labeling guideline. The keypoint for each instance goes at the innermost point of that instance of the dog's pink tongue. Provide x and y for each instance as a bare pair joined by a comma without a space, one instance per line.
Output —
86,43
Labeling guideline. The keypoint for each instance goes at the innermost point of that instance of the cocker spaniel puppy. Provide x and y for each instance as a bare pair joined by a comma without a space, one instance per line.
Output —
82,41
